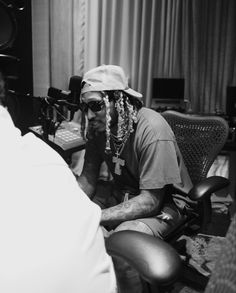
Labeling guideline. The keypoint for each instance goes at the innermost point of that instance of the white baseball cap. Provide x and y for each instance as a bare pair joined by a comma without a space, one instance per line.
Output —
107,78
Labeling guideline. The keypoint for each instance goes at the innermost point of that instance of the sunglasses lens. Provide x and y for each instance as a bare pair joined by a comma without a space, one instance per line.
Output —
95,106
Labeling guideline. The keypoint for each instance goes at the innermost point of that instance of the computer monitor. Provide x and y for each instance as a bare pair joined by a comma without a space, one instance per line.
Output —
168,93
231,101
168,88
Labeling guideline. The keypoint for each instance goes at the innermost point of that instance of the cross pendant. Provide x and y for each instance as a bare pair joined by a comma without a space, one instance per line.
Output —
118,163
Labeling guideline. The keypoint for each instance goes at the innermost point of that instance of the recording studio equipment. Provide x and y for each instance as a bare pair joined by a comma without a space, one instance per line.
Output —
16,58
67,137
168,94
58,94
70,98
231,111
75,89
61,133
8,25
231,104
55,97
58,105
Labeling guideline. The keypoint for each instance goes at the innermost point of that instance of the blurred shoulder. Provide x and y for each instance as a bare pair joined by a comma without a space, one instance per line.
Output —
153,122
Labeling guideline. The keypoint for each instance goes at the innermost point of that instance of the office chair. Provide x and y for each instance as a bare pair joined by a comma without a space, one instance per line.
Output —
156,261
200,139
159,264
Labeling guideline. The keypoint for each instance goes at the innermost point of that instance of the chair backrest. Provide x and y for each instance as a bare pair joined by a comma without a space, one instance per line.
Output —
200,139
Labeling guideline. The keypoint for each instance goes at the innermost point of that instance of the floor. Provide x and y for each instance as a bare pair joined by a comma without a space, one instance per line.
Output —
195,283
221,217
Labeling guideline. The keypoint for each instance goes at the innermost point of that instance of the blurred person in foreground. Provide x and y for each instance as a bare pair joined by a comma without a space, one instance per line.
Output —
141,153
51,240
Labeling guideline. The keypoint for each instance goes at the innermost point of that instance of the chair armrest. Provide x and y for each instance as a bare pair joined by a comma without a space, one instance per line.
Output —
155,260
207,186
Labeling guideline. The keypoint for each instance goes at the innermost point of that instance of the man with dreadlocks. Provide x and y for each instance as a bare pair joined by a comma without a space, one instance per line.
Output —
140,151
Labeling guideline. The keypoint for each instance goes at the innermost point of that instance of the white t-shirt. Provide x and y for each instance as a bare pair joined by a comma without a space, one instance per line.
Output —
50,238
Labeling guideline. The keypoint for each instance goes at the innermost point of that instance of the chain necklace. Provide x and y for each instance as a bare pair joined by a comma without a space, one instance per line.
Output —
119,146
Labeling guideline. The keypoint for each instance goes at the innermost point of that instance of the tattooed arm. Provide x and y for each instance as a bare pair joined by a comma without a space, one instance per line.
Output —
146,204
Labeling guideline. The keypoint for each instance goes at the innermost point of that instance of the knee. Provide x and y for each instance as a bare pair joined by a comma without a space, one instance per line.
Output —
134,225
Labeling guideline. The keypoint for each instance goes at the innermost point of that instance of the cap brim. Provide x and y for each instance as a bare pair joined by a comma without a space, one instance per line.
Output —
134,94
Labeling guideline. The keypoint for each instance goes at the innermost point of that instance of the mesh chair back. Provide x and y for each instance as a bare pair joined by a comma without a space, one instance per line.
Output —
200,139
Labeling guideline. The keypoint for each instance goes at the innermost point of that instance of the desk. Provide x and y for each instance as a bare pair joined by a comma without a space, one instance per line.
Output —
64,147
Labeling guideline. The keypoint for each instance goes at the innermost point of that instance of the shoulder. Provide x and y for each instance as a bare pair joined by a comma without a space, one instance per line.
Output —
39,153
151,123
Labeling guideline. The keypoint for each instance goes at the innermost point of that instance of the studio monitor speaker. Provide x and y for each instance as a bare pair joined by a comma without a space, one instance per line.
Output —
231,101
16,58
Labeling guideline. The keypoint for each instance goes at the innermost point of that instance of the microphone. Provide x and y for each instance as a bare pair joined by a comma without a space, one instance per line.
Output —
75,84
75,89
58,94
58,97
63,98
48,99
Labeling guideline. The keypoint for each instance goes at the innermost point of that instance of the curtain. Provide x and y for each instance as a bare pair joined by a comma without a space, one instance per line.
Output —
58,42
121,32
190,39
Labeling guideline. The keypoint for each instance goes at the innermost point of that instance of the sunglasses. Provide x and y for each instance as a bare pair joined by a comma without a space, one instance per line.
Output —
94,106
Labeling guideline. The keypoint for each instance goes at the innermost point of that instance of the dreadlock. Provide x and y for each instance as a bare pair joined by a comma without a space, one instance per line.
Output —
127,109
127,116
